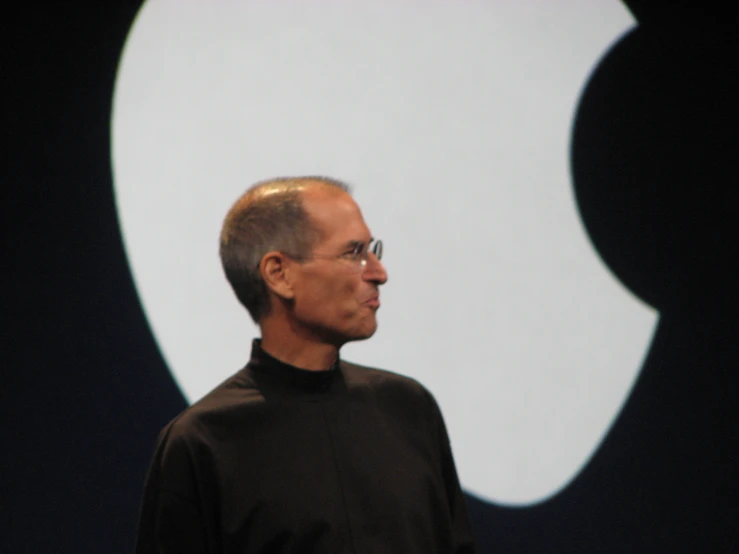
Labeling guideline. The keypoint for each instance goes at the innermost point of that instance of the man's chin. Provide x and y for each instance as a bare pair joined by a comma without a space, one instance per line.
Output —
365,336
361,334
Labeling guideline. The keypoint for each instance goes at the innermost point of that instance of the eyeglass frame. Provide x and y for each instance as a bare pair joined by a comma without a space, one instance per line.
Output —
374,246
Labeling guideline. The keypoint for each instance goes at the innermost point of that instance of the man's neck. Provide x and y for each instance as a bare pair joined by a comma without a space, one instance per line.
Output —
297,351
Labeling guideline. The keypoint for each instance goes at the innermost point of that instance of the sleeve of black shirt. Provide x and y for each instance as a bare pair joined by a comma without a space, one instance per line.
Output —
171,520
463,540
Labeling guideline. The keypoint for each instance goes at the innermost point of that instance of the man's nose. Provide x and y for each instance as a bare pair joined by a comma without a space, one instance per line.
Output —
374,270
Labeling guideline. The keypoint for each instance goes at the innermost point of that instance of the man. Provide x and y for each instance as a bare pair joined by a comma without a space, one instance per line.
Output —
301,451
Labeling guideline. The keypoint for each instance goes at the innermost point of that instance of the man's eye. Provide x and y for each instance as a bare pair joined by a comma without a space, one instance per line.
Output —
356,252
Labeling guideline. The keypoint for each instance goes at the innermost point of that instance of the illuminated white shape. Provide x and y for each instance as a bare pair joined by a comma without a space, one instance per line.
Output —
453,121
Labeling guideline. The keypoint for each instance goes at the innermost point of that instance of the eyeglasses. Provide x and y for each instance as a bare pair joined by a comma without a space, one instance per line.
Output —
357,257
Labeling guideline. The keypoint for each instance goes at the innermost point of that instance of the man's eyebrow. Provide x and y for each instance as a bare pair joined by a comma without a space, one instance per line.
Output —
355,243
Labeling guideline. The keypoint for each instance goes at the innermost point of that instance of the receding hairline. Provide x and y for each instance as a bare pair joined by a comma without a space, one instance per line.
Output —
286,185
297,184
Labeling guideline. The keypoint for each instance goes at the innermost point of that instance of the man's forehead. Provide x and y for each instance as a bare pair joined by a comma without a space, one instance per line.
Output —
334,212
322,201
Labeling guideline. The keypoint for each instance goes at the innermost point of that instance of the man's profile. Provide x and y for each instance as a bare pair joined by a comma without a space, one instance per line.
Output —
301,451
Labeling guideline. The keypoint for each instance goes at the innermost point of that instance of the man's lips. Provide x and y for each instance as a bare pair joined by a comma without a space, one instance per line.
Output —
373,301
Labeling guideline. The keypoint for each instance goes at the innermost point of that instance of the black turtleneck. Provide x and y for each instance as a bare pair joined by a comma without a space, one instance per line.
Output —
281,459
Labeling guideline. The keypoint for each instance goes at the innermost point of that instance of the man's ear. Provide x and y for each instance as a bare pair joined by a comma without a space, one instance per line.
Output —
276,273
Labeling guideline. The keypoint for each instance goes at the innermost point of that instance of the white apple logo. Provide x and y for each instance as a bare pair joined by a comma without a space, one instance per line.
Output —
453,122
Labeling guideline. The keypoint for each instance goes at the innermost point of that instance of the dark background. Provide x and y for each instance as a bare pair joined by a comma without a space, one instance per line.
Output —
654,157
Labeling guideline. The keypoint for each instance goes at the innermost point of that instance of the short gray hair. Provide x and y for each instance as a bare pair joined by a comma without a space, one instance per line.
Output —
269,216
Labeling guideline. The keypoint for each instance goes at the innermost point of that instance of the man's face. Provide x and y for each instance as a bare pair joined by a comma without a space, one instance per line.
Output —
335,298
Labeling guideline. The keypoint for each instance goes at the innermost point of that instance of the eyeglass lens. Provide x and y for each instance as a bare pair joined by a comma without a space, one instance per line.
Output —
376,248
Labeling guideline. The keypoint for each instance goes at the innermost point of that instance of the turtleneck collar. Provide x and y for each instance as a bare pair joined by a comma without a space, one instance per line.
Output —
264,365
